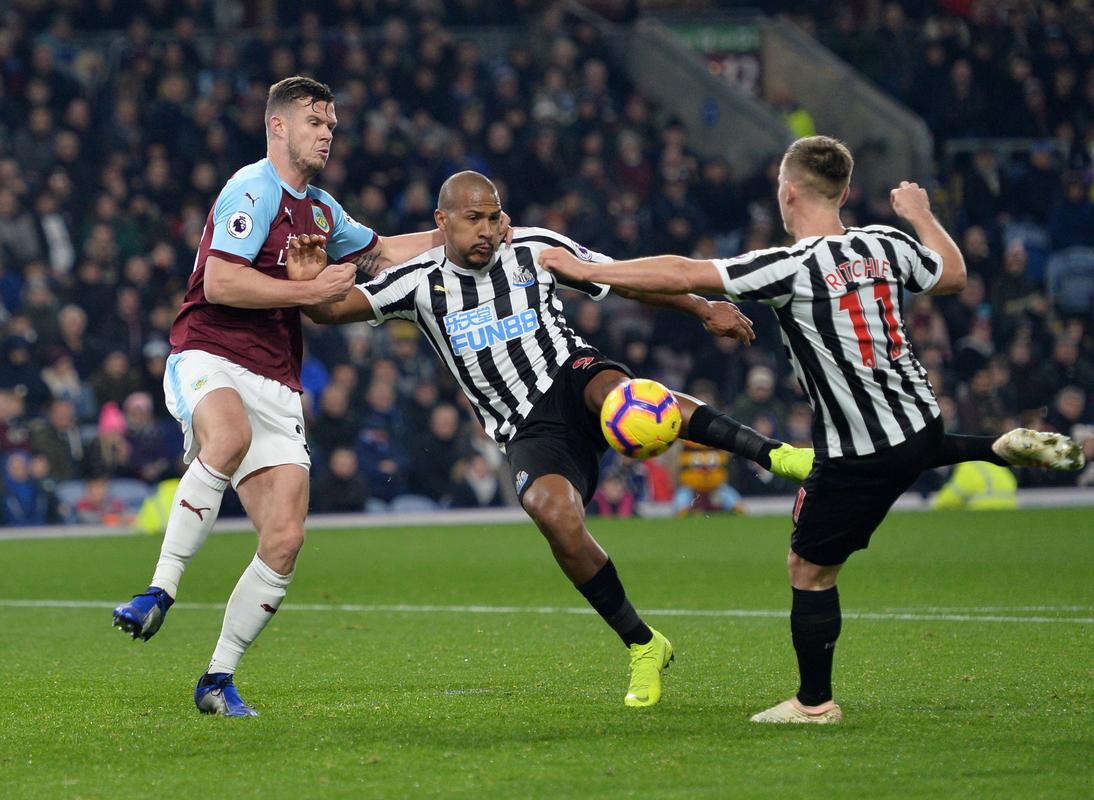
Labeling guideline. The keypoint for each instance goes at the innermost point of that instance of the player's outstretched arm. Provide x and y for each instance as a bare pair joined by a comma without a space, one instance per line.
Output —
657,274
353,308
719,317
230,284
910,202
392,250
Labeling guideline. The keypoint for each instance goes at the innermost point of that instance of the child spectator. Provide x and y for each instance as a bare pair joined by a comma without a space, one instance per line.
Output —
97,506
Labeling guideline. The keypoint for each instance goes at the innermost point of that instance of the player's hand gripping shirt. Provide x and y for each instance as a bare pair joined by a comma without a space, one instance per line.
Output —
250,224
839,300
499,330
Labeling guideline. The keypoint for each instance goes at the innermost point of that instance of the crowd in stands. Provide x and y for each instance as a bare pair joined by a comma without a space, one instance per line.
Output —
118,130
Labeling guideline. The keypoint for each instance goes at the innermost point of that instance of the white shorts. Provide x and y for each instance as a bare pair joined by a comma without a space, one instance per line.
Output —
273,409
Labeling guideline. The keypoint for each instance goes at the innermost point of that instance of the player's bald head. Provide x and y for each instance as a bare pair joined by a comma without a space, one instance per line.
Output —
819,164
467,188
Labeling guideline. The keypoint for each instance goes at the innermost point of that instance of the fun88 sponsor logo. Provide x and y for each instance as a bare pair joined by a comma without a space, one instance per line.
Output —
477,329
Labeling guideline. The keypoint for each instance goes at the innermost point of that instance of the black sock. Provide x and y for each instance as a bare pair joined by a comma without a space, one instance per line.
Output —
814,628
605,593
711,427
956,448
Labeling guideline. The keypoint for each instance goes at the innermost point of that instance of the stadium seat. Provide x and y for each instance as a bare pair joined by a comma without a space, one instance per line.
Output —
68,494
1071,280
130,491
375,505
411,503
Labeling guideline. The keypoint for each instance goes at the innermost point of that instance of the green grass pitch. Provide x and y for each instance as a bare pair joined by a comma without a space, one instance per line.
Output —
965,668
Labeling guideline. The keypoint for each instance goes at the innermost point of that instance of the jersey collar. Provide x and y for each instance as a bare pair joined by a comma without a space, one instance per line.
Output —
273,171
478,273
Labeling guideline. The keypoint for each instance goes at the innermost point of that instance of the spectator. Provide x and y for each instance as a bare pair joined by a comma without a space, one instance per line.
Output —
980,410
1068,410
1038,186
153,449
19,239
435,454
19,372
13,427
590,326
97,506
978,486
72,329
759,398
115,380
109,453
342,488
613,497
1071,220
477,484
972,352
336,425
382,442
26,502
1016,301
1066,367
58,439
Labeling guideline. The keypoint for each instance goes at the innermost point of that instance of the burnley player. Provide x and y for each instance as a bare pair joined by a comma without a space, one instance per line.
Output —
233,377
837,293
496,322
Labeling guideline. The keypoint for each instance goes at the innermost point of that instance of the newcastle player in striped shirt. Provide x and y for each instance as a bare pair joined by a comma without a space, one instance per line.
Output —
495,320
838,296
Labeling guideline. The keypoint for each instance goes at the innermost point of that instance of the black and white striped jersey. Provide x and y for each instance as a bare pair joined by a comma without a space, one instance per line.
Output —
500,329
839,300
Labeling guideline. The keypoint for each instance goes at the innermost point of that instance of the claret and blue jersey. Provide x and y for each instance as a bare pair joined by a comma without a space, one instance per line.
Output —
251,223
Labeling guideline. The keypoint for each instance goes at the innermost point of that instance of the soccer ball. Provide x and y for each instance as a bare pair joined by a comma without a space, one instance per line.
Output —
640,418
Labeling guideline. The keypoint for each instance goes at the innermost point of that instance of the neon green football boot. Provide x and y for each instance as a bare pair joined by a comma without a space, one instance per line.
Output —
648,661
792,463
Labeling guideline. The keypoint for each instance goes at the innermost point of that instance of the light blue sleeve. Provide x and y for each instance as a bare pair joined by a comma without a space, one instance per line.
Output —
243,214
348,237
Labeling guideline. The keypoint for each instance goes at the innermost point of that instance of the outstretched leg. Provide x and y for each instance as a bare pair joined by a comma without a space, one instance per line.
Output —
1020,447
702,424
555,505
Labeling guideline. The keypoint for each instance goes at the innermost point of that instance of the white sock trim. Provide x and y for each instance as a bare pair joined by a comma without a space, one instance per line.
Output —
210,477
275,579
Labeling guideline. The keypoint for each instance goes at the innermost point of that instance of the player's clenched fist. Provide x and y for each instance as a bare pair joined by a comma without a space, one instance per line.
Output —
334,283
561,261
910,200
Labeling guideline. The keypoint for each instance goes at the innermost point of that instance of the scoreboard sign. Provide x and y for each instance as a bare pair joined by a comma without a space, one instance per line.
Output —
732,52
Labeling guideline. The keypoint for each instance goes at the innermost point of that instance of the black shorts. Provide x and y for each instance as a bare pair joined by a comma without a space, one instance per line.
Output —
843,500
561,436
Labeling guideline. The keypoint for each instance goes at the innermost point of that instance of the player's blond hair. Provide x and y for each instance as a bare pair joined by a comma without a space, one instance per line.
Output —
819,164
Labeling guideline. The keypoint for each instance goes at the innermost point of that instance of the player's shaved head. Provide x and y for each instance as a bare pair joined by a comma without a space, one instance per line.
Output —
466,188
819,164
469,213
285,93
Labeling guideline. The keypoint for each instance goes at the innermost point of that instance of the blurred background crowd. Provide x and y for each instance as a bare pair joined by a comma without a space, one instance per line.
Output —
120,122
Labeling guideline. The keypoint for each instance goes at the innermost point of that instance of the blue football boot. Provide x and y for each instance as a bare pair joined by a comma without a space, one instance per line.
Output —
143,615
216,694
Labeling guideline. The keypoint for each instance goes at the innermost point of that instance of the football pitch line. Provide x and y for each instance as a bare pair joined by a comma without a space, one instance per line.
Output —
964,614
